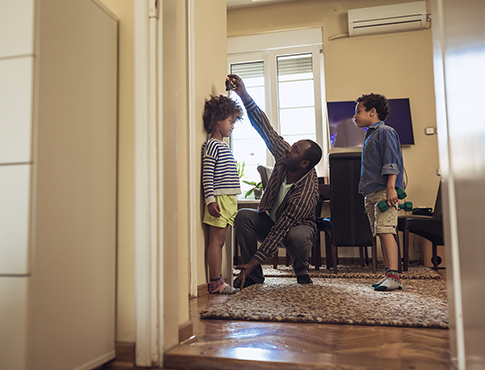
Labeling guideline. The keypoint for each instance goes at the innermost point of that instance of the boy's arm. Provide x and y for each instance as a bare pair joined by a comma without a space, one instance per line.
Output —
391,157
275,143
391,193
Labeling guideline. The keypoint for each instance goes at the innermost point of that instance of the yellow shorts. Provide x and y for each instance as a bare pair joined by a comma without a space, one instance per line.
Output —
228,206
380,222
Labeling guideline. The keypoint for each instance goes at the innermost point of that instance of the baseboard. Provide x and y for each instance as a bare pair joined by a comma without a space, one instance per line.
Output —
125,352
186,330
124,358
97,362
202,290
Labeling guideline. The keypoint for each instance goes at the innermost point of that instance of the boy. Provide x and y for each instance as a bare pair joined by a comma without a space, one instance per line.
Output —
381,174
221,183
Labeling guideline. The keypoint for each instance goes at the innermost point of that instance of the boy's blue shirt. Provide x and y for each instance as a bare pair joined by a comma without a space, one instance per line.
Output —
381,156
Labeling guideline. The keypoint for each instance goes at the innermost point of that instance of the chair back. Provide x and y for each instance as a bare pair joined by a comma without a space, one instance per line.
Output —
265,173
438,209
350,224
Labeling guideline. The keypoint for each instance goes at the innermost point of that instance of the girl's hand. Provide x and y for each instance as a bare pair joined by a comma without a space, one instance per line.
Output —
214,209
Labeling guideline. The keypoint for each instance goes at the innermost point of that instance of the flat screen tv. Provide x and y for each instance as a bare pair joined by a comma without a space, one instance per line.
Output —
344,133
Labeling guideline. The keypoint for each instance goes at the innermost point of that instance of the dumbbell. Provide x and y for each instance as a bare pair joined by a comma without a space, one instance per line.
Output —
407,206
401,194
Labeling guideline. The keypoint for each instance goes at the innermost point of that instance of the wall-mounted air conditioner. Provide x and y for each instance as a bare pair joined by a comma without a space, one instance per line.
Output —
387,18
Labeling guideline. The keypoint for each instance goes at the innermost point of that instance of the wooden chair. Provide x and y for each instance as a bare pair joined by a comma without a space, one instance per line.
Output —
348,224
265,173
323,225
429,227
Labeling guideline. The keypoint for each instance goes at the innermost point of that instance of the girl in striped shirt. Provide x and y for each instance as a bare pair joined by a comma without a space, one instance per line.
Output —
221,183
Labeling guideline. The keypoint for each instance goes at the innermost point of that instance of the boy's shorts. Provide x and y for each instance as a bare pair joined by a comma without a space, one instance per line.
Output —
380,222
228,206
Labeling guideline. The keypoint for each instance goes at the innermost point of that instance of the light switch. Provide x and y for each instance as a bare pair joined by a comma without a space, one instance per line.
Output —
429,131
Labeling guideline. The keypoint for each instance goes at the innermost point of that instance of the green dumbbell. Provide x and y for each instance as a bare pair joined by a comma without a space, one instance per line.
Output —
401,194
407,206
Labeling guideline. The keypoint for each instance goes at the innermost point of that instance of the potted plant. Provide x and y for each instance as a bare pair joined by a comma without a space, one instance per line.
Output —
240,169
257,189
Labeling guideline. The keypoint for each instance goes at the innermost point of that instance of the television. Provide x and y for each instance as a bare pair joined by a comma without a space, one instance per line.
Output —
344,133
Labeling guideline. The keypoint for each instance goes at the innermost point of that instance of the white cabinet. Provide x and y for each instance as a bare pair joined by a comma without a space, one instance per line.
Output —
16,93
17,27
14,219
58,148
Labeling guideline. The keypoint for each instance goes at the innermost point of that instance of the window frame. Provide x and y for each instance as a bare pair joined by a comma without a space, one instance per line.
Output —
267,48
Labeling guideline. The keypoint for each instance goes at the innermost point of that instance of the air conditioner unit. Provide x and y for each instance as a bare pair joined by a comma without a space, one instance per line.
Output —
387,18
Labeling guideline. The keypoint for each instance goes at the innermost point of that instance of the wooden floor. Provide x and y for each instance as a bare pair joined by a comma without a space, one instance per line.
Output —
222,344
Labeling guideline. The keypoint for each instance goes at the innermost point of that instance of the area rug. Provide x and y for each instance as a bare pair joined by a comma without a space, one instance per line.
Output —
415,271
421,304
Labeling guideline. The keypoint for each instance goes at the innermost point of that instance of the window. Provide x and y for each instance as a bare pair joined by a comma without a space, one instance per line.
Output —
285,82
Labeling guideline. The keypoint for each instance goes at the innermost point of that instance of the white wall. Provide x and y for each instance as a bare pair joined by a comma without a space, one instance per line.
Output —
459,57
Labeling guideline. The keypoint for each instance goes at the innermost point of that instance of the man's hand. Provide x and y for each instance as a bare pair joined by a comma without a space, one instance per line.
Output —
214,209
240,89
245,271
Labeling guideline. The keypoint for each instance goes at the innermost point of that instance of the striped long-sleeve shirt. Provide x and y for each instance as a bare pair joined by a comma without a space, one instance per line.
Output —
299,205
219,171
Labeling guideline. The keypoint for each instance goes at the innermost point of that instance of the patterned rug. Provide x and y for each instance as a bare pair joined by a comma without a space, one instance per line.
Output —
421,304
415,271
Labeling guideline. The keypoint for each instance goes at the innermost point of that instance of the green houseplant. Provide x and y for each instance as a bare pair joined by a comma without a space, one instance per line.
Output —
257,189
240,169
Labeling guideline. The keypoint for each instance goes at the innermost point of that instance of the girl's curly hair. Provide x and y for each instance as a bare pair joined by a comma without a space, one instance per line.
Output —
219,108
379,102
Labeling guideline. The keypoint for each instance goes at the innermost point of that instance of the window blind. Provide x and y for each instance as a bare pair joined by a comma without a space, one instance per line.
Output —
295,64
248,70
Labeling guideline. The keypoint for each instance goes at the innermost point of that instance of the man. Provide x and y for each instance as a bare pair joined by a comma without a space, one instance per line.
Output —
286,213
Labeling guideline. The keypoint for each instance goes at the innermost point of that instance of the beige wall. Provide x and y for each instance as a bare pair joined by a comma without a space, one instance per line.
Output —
397,65
175,165
210,74
210,70
125,295
182,127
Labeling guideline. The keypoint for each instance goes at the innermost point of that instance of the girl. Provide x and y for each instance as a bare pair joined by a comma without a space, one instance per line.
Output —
221,183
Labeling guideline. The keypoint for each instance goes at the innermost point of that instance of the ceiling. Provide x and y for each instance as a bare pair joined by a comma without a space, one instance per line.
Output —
232,4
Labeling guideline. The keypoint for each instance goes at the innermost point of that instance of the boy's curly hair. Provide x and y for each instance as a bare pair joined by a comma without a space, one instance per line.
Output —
219,108
379,102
